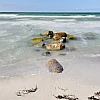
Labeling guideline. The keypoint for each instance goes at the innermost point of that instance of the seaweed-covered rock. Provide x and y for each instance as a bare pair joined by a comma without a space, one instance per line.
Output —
38,44
35,40
58,35
71,37
54,66
55,46
47,33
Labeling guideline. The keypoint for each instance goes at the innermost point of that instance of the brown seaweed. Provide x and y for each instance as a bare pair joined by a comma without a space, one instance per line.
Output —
26,91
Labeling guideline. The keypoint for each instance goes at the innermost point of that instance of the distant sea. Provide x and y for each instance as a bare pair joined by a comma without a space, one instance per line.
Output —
18,57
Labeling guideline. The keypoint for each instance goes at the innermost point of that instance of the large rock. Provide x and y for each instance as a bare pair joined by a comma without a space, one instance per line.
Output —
58,35
54,66
55,46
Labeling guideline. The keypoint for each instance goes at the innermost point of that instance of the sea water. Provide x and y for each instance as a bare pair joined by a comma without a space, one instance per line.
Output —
18,57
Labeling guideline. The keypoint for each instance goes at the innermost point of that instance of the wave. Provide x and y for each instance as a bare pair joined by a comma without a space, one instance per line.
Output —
89,16
64,20
92,55
8,15
45,16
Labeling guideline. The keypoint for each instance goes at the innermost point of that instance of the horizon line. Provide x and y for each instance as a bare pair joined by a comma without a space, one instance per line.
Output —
54,11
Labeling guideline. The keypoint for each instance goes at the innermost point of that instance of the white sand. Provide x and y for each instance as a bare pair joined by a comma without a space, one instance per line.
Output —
76,79
48,85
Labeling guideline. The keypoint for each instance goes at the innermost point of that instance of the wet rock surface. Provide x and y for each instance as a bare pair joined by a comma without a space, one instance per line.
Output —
55,46
54,66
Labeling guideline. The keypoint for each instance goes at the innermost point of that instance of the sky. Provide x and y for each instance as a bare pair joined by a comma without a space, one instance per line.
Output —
49,5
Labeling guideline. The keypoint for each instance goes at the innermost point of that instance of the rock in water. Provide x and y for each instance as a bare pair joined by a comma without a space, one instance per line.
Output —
36,40
58,35
48,34
47,53
55,46
54,66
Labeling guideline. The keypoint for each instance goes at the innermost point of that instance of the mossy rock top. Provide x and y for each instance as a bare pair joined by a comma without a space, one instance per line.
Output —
71,37
38,44
36,40
47,33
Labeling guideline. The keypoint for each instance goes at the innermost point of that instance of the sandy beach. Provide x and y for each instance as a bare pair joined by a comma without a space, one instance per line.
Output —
52,84
48,85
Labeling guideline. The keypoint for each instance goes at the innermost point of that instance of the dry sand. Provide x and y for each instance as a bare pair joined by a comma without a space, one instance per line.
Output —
48,85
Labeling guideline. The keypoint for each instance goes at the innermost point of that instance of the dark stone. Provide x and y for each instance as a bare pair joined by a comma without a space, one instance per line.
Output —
54,66
62,54
46,53
37,50
63,39
48,34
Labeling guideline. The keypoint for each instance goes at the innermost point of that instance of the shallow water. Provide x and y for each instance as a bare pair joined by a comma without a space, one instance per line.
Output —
18,57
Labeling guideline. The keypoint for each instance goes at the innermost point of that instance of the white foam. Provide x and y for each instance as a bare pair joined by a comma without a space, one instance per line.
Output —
92,55
42,16
96,55
63,20
78,16
8,15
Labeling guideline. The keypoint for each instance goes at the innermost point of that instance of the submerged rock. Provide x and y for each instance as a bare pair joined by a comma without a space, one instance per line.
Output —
54,66
69,49
90,36
47,53
62,54
37,50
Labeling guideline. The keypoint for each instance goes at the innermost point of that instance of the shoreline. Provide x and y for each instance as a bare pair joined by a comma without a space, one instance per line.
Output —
48,85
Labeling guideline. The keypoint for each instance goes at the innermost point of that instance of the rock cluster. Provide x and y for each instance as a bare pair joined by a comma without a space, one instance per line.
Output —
52,42
59,39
